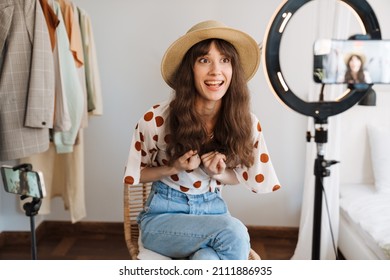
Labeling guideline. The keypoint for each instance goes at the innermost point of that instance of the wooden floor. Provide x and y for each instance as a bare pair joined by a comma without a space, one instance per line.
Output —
105,241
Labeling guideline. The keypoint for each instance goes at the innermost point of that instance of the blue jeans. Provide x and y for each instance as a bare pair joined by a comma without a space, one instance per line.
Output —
199,226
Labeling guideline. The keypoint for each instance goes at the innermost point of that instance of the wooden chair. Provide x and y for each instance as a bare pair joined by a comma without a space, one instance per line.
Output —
134,199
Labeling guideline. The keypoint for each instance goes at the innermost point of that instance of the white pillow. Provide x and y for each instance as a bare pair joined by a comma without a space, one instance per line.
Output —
379,139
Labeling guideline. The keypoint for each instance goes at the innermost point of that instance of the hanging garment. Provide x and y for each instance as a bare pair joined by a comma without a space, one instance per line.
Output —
26,80
71,21
62,164
71,87
72,31
64,178
52,21
94,92
80,68
61,120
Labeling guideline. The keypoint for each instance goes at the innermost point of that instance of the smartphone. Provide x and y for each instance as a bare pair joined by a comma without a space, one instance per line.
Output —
21,182
351,61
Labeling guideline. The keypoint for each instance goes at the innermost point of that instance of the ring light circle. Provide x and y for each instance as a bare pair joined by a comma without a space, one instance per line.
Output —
319,110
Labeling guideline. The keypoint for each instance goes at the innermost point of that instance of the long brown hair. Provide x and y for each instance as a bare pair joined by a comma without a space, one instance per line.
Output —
360,74
233,129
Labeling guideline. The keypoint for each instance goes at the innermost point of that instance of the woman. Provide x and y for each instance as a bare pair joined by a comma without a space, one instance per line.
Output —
355,72
198,142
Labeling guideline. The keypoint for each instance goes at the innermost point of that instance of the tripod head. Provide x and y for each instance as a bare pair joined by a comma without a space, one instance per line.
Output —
31,208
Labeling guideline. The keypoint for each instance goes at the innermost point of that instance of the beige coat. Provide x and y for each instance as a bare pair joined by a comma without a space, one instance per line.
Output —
26,80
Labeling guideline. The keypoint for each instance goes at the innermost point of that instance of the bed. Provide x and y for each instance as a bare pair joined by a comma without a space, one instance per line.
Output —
364,229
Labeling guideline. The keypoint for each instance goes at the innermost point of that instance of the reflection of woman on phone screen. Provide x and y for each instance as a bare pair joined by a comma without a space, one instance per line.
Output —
355,72
24,187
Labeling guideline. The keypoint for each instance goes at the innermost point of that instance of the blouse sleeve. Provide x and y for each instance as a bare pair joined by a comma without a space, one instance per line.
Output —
143,148
261,176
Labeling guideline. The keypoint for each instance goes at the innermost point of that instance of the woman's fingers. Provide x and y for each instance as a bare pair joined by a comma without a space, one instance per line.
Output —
214,162
190,160
208,156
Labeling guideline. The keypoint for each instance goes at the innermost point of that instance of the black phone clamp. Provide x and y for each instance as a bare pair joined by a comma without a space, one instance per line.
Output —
23,167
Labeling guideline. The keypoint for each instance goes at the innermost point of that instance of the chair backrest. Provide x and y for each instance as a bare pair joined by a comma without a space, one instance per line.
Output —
134,200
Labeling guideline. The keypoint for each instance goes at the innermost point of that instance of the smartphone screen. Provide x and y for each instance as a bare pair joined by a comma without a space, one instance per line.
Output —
351,61
29,183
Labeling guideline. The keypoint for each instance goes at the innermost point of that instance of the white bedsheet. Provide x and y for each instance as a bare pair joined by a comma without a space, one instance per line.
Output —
371,211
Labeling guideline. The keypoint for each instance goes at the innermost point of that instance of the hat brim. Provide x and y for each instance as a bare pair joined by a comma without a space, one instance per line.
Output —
360,55
247,48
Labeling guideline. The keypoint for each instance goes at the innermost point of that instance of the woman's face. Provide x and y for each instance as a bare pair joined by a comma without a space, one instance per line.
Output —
212,74
355,63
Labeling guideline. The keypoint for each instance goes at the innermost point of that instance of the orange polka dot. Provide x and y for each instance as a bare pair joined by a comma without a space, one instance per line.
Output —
184,189
143,153
137,146
167,138
141,137
155,138
129,180
175,177
275,188
259,178
159,121
156,106
197,184
264,158
143,164
258,126
245,176
256,144
148,116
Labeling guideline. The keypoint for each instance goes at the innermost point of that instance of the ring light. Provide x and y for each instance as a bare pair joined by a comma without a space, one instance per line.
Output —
319,110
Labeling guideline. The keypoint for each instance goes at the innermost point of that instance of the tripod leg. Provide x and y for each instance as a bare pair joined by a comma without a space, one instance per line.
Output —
33,239
317,215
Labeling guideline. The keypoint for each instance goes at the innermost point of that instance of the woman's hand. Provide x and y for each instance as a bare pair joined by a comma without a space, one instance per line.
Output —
188,161
214,163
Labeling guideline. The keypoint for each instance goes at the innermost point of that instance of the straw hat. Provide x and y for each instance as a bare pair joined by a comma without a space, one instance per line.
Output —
247,48
359,55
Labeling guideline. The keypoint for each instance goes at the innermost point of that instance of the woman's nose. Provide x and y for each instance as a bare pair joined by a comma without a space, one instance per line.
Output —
215,68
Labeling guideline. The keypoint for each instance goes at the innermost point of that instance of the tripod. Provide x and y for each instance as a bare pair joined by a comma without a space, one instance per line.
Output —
320,171
31,209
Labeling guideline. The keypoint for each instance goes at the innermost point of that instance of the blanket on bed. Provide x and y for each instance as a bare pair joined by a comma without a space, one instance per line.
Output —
369,210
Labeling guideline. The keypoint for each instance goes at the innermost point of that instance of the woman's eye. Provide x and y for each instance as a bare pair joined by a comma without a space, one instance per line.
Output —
203,60
226,60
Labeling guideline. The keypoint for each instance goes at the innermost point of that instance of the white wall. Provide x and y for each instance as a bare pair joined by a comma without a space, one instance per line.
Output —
131,37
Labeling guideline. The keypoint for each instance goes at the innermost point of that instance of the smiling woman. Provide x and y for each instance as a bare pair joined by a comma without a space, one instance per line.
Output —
201,140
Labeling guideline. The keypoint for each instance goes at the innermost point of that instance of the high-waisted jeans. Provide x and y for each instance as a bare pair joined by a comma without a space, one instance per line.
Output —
198,226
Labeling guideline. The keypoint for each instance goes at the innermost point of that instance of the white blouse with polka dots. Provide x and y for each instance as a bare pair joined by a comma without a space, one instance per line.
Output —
148,148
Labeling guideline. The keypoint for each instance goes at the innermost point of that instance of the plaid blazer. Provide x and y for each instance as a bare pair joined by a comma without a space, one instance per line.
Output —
26,80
